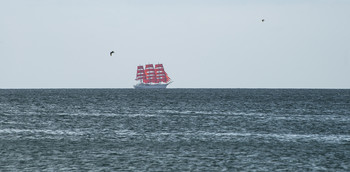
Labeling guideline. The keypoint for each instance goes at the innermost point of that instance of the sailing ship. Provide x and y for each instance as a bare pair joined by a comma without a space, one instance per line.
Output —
152,77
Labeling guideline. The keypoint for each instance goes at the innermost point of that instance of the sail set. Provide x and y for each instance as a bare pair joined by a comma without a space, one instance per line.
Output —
152,77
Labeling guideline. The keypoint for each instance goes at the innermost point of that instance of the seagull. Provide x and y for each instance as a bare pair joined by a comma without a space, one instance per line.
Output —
262,20
111,53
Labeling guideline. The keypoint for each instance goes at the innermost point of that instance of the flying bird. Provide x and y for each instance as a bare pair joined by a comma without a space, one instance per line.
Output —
262,20
111,53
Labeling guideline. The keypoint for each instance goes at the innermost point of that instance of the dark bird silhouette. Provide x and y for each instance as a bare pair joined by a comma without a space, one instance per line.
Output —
262,20
111,53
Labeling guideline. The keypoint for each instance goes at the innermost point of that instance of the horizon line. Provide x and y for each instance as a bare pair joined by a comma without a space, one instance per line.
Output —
289,88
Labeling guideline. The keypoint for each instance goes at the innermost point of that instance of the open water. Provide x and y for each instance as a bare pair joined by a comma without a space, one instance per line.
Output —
174,130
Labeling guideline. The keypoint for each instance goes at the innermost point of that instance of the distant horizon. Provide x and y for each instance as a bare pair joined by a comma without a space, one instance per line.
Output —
201,43
179,88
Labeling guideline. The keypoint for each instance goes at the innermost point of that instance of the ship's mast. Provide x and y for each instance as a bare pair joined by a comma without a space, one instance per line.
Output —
140,74
150,74
160,73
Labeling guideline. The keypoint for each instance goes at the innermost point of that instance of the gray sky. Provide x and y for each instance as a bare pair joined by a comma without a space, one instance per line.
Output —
202,43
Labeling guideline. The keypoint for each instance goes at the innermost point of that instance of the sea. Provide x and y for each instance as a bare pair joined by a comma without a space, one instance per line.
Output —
175,130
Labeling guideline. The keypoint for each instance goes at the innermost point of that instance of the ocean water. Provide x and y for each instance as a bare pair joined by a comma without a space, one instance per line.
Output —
175,130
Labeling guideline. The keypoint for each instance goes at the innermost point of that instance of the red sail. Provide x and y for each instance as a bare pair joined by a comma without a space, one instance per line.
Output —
167,79
150,74
160,73
140,74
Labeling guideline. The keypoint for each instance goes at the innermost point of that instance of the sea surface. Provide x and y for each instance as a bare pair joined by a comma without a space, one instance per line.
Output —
174,130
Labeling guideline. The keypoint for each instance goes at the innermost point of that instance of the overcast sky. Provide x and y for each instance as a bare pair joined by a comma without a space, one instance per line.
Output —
202,43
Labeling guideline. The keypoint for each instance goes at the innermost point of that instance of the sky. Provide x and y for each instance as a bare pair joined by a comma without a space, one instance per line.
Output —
201,43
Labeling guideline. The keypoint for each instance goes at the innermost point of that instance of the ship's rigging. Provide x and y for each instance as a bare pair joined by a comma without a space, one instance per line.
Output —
152,77
152,74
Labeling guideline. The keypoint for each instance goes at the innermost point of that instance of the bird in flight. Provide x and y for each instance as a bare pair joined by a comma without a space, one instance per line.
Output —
111,53
262,20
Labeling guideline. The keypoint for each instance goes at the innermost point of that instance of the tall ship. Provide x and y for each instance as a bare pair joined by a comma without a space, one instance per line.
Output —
151,77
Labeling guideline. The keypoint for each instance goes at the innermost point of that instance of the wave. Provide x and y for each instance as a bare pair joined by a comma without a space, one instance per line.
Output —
34,131
267,136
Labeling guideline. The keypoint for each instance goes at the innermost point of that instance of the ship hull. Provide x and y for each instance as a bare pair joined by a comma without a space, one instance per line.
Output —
150,86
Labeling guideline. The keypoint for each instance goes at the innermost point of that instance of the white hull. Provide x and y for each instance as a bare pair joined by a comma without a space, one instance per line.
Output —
150,86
